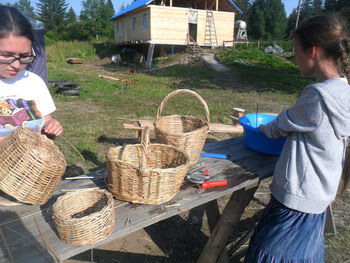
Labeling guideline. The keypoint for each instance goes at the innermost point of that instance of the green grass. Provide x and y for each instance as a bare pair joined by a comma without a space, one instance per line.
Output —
103,104
93,121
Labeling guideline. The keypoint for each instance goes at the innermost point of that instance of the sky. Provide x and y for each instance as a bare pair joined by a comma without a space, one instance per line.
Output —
76,4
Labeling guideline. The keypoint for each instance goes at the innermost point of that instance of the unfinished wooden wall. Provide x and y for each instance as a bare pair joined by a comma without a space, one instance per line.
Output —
169,25
128,32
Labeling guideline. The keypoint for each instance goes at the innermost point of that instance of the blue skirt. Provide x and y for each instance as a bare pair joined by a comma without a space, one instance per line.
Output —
284,235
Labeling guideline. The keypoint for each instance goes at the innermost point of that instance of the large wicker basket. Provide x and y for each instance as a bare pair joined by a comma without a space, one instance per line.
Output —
85,216
146,173
186,133
31,166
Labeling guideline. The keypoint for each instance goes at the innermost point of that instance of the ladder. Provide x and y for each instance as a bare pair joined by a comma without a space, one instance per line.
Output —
192,45
210,38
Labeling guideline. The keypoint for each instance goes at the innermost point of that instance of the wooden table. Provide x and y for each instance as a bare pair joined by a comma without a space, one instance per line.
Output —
28,232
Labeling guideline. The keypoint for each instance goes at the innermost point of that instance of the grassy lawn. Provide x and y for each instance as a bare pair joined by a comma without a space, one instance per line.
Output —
93,121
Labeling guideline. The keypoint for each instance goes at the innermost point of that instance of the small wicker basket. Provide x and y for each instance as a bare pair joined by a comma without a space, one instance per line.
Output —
186,133
85,216
31,166
146,173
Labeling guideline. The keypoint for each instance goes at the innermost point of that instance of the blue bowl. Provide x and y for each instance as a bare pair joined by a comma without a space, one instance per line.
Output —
255,139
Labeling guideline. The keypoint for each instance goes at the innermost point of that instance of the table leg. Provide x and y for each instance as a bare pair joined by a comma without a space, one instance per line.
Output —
223,229
213,215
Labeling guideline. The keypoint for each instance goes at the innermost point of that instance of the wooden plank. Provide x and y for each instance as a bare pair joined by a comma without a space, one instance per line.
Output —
223,229
214,127
217,5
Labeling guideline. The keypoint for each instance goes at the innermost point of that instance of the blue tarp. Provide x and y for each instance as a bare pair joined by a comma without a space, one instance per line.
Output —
140,3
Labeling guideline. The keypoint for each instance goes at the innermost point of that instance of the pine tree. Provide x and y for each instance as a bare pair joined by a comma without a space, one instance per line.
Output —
25,7
267,19
256,21
52,13
71,17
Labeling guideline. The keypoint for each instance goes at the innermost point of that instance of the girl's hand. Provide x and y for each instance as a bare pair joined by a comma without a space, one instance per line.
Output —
52,127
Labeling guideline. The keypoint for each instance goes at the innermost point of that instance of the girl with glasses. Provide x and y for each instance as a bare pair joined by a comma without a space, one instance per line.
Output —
24,97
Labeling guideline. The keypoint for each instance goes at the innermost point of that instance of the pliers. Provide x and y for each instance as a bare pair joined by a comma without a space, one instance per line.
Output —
201,177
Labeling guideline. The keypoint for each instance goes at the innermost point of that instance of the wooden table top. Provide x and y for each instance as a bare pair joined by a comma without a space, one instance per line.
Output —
28,231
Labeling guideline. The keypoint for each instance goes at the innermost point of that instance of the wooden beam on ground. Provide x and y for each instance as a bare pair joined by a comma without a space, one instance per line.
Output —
150,55
108,77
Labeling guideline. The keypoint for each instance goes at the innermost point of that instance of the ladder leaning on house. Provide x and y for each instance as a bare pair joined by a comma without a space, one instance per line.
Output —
210,38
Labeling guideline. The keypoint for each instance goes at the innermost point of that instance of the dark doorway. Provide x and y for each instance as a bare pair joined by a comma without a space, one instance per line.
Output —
192,29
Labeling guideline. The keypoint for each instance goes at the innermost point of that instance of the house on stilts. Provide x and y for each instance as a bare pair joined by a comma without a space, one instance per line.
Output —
205,23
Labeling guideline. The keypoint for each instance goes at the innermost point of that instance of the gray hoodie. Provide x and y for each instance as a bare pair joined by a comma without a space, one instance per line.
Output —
307,174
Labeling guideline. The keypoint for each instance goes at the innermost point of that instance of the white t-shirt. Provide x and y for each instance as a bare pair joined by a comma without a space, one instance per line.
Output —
24,101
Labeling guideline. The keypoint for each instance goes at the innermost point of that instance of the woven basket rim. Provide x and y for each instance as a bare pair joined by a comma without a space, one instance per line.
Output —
74,193
205,126
150,168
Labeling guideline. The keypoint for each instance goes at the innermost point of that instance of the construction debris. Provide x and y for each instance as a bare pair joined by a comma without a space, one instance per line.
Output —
75,61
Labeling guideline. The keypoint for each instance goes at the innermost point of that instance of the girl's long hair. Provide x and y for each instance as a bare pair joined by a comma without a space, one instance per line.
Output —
14,22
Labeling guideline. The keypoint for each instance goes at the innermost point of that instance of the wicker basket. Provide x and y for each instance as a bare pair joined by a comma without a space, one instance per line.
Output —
84,217
186,133
146,173
31,166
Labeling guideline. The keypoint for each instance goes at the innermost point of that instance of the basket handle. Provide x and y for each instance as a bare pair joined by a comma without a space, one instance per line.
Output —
144,148
207,114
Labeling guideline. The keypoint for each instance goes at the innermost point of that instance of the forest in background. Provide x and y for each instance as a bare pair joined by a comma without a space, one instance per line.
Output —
266,19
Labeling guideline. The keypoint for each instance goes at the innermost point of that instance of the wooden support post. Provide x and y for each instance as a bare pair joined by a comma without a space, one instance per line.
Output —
206,5
171,2
150,56
223,229
217,5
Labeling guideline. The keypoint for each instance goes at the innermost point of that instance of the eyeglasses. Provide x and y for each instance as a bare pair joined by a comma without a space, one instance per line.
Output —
9,59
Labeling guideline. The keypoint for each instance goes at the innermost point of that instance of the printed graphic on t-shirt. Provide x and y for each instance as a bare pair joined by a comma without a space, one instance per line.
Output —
15,113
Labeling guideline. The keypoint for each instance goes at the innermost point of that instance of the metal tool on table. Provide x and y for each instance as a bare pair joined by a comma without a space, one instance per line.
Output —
201,177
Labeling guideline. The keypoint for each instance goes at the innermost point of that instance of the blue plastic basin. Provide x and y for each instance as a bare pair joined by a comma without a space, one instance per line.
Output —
255,139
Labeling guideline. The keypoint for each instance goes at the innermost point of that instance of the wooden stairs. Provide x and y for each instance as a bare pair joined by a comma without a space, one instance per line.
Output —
192,45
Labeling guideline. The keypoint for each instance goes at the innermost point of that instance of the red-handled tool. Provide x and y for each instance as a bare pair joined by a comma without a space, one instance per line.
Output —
209,184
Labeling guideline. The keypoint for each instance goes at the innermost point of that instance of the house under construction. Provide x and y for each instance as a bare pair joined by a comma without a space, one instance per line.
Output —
176,22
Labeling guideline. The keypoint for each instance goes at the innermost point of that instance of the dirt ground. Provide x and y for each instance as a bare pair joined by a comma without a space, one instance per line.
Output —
181,238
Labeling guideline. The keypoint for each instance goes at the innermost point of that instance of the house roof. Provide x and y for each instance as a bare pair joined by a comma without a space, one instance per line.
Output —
140,3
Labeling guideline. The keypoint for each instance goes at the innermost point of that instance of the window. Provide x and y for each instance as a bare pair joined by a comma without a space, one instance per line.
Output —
117,31
144,24
134,24
122,30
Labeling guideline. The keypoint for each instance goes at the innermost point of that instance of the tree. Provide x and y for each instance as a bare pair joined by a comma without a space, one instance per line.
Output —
267,19
256,21
95,17
292,19
52,13
25,7
244,5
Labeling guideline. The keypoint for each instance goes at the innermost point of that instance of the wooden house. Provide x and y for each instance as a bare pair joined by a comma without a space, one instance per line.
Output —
176,22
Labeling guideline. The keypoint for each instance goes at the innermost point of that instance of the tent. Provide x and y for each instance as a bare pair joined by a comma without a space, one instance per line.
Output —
39,65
